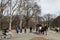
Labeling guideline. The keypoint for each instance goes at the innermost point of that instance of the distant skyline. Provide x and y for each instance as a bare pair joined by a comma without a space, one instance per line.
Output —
49,6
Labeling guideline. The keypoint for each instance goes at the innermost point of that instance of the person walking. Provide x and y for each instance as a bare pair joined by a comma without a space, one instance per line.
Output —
30,28
25,30
46,29
20,30
17,29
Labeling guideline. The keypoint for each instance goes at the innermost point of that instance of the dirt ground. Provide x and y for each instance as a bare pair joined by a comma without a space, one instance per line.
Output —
39,38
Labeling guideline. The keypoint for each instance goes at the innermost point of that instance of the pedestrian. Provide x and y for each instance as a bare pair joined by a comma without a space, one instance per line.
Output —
30,28
25,30
17,29
20,30
46,29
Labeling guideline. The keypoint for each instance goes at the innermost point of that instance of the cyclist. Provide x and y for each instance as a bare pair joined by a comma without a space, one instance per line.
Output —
4,33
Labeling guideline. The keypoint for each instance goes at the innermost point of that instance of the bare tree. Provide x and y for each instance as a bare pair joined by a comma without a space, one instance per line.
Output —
2,8
47,18
56,22
28,9
12,10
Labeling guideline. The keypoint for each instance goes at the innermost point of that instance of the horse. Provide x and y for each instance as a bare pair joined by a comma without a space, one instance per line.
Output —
44,29
37,27
40,29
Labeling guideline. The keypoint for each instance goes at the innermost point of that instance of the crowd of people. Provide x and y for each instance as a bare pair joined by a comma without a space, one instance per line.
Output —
18,29
39,28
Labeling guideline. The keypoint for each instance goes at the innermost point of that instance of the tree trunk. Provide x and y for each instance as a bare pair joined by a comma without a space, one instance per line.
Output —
10,15
21,16
27,23
21,24
10,23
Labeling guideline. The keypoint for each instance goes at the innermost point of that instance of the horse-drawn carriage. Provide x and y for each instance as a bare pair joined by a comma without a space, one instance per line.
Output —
41,29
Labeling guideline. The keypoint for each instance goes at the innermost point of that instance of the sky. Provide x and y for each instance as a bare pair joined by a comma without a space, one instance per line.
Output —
49,6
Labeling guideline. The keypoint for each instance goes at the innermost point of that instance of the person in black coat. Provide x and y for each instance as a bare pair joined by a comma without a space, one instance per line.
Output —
30,28
25,30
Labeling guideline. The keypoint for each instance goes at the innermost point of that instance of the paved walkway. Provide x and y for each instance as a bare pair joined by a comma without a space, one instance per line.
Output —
27,36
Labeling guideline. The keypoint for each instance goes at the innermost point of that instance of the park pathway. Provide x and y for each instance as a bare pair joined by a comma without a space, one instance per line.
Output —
27,36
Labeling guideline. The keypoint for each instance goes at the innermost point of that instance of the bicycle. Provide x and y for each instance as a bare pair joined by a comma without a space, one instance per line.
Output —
8,36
